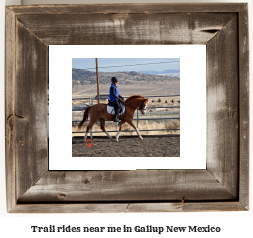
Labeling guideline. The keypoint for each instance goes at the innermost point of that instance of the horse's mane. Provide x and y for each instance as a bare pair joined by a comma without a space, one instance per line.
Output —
133,97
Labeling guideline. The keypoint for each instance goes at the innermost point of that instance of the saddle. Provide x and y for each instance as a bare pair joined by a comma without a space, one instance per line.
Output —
110,109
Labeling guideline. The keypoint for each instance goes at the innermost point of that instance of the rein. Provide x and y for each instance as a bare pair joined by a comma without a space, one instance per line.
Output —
139,108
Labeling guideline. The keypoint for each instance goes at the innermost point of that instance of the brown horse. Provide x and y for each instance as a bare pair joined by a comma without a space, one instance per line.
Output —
99,112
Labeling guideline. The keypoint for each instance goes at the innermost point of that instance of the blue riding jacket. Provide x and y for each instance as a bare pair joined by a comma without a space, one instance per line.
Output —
112,98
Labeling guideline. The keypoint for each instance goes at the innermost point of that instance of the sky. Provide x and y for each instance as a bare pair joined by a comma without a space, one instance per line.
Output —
153,64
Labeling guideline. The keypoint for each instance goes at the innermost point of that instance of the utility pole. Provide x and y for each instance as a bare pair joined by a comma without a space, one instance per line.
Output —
98,94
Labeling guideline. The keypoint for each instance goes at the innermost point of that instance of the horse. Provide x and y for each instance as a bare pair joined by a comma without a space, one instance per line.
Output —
99,112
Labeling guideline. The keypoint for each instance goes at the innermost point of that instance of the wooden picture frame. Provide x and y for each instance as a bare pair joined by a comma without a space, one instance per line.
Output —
222,186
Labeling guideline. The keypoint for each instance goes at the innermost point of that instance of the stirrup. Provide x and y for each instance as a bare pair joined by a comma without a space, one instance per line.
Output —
115,119
120,120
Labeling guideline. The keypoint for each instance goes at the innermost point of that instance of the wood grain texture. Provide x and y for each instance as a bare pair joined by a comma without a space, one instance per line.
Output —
9,109
129,207
30,108
132,29
140,185
222,107
155,8
244,106
186,207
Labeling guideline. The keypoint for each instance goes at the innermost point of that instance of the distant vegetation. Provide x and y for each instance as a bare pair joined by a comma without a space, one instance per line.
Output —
85,77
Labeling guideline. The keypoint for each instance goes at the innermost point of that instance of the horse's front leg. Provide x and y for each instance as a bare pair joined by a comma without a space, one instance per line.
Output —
120,129
138,133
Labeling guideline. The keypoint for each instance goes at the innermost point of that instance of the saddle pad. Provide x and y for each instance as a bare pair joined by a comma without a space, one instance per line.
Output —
110,110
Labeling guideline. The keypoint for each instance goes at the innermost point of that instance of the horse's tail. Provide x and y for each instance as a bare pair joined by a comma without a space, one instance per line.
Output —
85,117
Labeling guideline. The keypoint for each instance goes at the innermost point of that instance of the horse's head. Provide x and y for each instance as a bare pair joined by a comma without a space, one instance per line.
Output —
137,102
143,106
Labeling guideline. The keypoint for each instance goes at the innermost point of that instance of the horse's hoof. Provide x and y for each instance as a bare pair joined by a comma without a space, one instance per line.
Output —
141,138
117,139
111,138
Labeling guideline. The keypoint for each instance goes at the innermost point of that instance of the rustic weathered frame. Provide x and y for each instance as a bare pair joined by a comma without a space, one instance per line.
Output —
222,186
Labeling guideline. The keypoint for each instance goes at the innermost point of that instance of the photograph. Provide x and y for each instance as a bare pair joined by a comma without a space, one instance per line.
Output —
122,107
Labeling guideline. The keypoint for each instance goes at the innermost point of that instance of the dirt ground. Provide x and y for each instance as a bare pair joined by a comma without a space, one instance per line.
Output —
131,146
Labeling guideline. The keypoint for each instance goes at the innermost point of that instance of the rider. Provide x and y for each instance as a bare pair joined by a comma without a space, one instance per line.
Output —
115,97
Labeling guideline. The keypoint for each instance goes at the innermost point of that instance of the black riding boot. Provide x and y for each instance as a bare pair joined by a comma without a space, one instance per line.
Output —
116,114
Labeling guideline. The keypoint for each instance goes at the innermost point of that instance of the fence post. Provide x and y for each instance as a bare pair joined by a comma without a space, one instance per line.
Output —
137,118
91,127
147,116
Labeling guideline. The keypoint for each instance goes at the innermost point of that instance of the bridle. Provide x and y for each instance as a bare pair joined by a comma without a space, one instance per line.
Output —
139,107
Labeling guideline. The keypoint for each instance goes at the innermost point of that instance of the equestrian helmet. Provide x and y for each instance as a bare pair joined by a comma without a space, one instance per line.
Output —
114,80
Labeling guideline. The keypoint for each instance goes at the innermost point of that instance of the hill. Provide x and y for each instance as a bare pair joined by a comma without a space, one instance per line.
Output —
85,77
84,83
